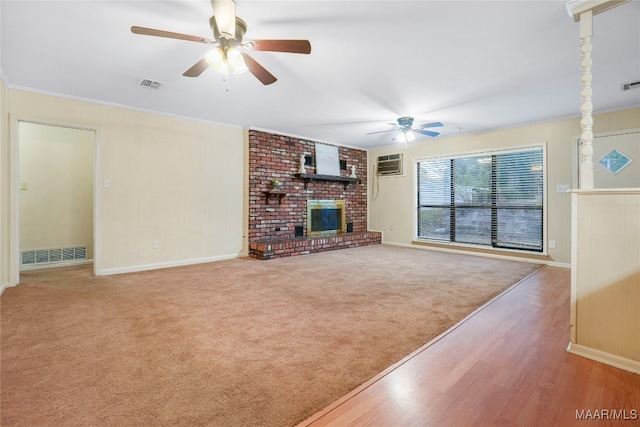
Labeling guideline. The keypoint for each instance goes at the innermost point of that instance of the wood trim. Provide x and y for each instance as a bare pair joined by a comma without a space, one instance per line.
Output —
577,7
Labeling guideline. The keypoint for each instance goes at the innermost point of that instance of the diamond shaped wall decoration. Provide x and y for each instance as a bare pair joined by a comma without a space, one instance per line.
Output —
615,161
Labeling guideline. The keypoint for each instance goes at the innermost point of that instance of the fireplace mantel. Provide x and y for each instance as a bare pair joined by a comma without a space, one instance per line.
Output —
307,177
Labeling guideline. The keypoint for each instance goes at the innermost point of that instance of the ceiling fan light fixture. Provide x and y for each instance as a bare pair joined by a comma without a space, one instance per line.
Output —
217,60
405,136
236,61
226,59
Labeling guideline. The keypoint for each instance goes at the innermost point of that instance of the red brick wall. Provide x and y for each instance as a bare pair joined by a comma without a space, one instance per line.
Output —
278,156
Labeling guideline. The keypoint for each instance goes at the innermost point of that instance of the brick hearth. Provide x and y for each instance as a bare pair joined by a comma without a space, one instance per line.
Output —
270,249
275,214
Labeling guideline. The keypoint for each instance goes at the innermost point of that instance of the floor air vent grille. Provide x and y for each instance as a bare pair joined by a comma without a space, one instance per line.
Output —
48,256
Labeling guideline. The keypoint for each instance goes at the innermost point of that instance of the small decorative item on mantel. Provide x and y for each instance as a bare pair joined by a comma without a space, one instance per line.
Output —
302,168
276,184
353,172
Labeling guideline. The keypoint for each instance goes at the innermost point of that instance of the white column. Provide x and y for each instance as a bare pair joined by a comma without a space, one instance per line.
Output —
586,149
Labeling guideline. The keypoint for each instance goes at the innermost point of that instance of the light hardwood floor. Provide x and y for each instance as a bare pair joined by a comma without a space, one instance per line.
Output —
505,365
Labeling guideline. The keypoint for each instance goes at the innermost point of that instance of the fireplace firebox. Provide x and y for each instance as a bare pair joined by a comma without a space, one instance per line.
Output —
326,217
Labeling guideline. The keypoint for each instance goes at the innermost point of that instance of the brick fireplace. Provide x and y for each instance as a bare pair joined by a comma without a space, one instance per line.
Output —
278,216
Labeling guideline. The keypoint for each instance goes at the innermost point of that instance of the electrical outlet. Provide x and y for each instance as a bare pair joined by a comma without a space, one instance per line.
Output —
154,244
552,244
562,188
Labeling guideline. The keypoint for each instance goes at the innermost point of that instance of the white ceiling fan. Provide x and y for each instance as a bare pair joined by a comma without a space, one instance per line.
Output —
406,131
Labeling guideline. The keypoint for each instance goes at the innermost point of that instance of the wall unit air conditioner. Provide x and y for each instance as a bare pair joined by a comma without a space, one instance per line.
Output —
389,165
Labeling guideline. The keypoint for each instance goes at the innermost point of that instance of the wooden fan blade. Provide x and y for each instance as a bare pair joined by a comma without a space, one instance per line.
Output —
224,12
431,125
382,131
197,68
426,132
168,34
291,46
258,70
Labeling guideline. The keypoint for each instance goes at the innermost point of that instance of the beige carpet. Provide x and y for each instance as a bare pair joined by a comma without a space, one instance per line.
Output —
232,343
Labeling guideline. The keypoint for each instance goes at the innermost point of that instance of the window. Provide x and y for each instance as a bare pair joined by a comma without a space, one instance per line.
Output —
491,199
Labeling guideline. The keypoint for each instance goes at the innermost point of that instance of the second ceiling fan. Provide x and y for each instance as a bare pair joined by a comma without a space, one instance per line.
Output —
405,129
228,33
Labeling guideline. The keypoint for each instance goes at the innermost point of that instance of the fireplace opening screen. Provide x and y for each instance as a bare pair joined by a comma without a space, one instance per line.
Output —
325,217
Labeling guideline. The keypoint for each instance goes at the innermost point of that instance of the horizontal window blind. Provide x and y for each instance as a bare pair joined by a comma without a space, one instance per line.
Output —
492,199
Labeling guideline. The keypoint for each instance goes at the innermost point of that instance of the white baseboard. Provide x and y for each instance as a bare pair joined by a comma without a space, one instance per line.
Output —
604,357
3,287
157,266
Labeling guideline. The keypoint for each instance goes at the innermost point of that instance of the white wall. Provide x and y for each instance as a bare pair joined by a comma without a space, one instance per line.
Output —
56,193
177,181
393,211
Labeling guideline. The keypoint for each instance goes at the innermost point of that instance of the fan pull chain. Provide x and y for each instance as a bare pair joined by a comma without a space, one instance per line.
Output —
225,80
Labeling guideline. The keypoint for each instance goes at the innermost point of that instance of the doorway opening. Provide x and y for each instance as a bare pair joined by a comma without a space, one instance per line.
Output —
56,184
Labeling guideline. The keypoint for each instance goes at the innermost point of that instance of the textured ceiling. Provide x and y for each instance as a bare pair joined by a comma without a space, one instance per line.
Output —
473,65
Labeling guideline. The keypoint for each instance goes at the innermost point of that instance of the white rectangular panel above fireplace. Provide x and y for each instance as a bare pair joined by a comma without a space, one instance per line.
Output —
326,217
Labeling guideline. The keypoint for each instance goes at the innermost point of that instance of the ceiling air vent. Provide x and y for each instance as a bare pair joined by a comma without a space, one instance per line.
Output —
632,85
151,84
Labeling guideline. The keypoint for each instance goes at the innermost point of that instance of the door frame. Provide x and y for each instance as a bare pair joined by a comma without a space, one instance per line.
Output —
14,191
